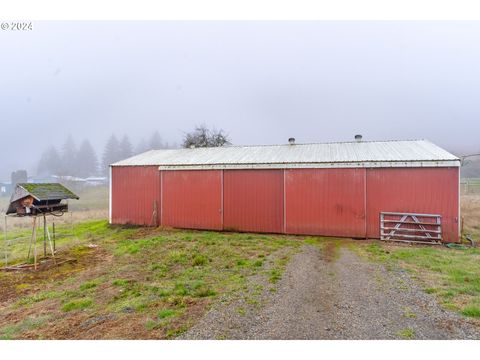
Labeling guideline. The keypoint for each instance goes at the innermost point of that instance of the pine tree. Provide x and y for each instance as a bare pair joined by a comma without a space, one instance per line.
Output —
111,153
141,147
68,157
87,162
155,142
19,176
50,162
126,149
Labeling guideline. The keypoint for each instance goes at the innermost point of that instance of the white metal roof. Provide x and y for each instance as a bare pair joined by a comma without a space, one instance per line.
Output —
401,153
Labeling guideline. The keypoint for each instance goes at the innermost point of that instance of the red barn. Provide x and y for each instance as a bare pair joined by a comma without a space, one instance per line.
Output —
407,190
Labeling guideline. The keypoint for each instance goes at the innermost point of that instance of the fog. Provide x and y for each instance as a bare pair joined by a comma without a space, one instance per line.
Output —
262,82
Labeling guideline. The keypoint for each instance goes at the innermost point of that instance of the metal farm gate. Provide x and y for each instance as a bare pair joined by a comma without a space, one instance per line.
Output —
410,227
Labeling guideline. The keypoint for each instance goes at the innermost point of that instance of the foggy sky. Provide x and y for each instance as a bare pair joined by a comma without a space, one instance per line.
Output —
262,82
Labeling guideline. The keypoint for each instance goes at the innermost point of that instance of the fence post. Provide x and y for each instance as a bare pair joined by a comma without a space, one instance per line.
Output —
6,243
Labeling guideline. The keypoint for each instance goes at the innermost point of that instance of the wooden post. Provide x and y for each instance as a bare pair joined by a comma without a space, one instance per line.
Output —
461,227
154,214
54,249
51,247
44,236
31,240
34,236
6,242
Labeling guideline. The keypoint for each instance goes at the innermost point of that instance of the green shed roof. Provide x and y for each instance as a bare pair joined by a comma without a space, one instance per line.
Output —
48,191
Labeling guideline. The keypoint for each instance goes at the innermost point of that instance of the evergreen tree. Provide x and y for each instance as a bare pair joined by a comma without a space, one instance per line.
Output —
126,149
141,147
50,162
155,142
111,153
87,162
19,176
69,155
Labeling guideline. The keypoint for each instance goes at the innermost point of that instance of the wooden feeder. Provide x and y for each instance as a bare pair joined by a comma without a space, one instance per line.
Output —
39,199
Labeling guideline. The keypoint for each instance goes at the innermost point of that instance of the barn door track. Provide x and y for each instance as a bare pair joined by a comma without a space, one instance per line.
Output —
332,293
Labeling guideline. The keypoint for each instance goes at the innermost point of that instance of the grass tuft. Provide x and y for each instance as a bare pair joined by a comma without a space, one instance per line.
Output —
165,313
471,311
77,304
406,334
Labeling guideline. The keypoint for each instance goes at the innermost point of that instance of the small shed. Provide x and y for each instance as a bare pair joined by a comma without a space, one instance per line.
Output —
31,199
359,189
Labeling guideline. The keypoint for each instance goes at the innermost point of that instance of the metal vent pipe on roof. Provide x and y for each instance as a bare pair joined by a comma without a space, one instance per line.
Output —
358,137
291,141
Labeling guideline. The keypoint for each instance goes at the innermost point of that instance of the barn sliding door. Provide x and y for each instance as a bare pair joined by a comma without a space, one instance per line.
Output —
192,199
328,202
135,195
253,200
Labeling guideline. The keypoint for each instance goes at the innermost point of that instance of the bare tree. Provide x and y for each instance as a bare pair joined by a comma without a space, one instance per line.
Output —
205,137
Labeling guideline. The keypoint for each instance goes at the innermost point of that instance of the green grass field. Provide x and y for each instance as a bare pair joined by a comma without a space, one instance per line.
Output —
154,282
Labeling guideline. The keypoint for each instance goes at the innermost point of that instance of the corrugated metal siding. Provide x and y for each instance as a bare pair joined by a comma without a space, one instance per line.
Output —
253,200
420,190
134,191
192,199
347,154
327,202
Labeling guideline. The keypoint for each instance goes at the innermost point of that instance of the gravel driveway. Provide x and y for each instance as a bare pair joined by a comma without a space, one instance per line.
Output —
326,297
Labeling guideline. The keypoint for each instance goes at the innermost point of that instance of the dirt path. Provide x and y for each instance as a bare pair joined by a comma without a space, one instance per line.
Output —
325,297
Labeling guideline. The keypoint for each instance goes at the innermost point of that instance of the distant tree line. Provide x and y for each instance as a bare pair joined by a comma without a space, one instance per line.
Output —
82,160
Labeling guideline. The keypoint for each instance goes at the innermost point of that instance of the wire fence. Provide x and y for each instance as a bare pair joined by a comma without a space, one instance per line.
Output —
470,187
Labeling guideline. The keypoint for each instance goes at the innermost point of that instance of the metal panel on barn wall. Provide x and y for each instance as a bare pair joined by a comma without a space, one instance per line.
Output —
253,200
135,195
192,199
329,202
414,190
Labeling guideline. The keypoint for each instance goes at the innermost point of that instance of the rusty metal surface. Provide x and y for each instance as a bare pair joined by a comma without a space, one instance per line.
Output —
419,190
192,199
134,192
329,202
253,200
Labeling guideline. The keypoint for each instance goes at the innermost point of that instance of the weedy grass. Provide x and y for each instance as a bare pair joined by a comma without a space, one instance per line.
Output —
9,332
451,275
160,278
79,304
472,311
89,284
406,334
165,313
